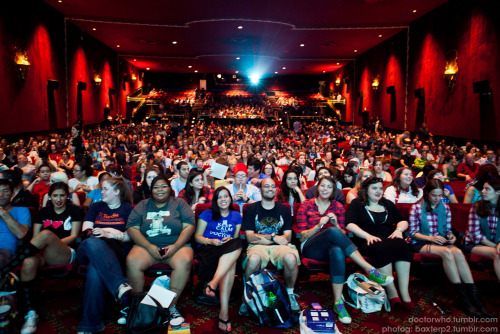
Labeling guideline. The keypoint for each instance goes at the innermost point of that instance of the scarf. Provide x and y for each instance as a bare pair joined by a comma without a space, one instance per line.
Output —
441,213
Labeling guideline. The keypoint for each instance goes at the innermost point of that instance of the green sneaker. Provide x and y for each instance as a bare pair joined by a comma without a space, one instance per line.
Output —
339,308
379,277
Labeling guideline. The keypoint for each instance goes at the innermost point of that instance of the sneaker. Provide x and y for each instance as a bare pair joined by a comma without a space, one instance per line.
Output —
123,293
379,277
31,319
341,311
123,319
176,319
243,311
293,302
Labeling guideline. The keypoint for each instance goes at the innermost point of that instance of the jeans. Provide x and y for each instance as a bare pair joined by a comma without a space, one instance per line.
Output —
104,275
333,246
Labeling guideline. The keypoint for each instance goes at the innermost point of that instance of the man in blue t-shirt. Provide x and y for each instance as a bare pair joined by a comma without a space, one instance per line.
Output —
15,223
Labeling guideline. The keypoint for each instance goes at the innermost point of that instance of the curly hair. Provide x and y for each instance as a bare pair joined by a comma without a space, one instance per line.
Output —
396,182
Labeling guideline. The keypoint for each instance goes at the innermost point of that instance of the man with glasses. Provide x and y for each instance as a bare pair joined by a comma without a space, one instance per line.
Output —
241,192
268,231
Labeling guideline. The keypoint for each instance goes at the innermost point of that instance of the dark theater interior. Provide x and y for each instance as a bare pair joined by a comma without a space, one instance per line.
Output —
96,87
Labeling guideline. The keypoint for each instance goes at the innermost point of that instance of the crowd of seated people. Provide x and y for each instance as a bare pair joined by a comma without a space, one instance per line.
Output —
142,184
237,106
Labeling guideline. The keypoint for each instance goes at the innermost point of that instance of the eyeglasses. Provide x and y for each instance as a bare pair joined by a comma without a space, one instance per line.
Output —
162,187
77,170
269,186
240,176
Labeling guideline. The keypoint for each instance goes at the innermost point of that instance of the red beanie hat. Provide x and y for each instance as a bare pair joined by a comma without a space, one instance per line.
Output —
240,167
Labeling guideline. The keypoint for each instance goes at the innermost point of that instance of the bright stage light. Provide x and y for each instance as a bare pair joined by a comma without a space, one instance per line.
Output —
254,78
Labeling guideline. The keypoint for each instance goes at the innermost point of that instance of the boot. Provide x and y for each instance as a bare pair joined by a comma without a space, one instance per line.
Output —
477,301
22,253
464,302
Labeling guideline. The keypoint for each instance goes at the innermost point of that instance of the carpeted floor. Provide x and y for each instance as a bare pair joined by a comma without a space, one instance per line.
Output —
59,301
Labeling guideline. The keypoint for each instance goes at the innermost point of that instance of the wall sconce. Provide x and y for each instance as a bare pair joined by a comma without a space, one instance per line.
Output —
375,83
97,79
337,81
451,69
22,64
134,78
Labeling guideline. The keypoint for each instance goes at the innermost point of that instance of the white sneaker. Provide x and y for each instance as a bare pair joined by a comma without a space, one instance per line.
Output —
294,305
31,319
123,319
176,319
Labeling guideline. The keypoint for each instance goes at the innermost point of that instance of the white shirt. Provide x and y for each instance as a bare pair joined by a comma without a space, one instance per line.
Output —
92,181
403,197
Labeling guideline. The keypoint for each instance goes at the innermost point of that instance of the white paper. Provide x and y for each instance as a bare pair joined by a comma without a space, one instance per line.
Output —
162,295
219,171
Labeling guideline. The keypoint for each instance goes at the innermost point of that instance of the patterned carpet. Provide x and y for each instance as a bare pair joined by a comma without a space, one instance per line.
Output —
59,301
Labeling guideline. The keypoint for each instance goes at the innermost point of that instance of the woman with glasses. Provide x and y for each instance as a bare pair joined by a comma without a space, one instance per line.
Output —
378,227
83,179
290,191
103,252
195,193
161,227
218,236
322,236
268,169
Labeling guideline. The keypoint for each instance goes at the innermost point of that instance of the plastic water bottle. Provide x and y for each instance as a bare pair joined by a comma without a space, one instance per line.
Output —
271,298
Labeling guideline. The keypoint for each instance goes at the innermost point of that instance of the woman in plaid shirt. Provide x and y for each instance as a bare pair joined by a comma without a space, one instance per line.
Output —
430,229
321,222
483,236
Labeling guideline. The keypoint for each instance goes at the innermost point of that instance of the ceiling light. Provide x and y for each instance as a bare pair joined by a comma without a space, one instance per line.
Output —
237,58
276,72
219,76
118,46
240,27
355,50
284,68
338,63
237,72
60,1
190,66
302,45
174,42
324,71
414,10
135,59
147,68
195,71
379,35
94,29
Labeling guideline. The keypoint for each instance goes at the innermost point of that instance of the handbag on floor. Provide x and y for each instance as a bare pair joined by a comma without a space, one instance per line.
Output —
364,294
142,318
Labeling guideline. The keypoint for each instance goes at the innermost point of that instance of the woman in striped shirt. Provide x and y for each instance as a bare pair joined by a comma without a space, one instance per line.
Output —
430,229
483,236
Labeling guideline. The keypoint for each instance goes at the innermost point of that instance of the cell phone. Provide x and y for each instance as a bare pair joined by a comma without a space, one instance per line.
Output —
163,251
316,306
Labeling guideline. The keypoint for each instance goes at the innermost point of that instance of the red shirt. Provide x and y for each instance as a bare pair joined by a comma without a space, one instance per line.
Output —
463,168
